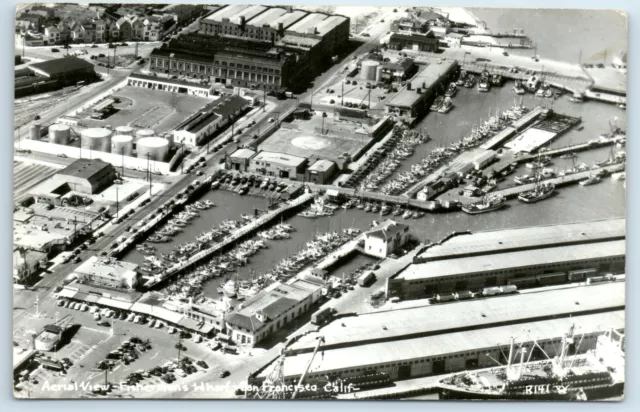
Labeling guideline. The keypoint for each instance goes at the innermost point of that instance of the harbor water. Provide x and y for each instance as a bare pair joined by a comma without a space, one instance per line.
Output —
570,204
569,35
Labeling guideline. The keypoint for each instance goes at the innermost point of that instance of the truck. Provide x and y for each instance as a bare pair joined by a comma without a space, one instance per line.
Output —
366,279
494,290
322,316
447,297
508,289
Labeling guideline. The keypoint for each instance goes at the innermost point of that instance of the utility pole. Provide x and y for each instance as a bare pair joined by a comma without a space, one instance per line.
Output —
23,36
122,162
114,56
75,223
179,345
264,98
136,52
342,95
148,170
117,203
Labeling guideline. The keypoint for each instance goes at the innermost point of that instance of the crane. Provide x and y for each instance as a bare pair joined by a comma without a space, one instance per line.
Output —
313,356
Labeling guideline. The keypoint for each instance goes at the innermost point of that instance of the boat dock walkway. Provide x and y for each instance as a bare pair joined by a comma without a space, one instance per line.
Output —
572,148
558,181
231,238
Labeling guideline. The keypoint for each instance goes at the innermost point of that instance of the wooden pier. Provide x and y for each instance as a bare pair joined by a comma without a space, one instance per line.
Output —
230,239
571,149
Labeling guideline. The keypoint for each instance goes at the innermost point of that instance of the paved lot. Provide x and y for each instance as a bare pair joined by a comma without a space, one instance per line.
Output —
26,176
154,109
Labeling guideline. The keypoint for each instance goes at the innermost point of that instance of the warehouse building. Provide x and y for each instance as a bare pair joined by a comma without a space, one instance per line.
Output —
88,176
551,265
321,172
272,308
279,165
108,272
240,159
426,43
66,68
414,99
448,352
169,85
209,120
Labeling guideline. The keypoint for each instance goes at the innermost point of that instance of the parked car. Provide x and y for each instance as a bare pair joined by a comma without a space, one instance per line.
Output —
224,374
54,50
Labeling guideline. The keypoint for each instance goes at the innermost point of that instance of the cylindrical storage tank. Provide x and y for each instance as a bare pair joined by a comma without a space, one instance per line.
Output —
96,138
156,148
124,131
368,70
170,138
143,133
34,132
59,134
122,145
379,74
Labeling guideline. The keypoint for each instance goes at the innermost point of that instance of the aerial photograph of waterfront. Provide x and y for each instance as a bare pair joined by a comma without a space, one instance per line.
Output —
218,201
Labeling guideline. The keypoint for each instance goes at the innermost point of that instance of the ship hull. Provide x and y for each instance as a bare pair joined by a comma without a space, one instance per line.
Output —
592,393
472,211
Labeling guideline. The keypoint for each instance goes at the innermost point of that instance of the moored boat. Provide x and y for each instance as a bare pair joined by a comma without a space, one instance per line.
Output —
487,204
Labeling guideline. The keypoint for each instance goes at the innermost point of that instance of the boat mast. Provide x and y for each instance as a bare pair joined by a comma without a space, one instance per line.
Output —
523,351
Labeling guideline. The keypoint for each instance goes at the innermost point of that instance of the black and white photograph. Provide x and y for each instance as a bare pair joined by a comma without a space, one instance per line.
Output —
319,202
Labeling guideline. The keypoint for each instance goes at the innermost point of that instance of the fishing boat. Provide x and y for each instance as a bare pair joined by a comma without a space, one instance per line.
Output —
496,80
375,208
360,205
397,210
518,87
230,289
484,84
447,105
619,176
524,179
385,210
540,191
437,103
569,155
451,90
596,374
541,162
407,214
591,180
487,204
577,98
308,214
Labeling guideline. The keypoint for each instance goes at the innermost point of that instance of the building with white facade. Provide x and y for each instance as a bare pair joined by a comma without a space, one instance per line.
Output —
108,272
383,239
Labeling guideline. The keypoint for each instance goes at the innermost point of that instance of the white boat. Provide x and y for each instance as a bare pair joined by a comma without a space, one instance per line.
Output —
229,289
619,176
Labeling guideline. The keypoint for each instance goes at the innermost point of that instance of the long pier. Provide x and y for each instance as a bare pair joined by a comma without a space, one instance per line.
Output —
572,148
233,237
558,181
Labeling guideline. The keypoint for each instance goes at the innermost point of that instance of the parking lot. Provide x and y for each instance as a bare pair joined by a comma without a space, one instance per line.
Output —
144,348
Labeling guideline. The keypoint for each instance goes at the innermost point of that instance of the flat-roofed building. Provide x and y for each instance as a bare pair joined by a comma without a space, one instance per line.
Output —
271,309
67,68
321,172
431,319
447,352
87,175
420,280
422,42
465,244
279,165
208,120
240,159
414,99
109,272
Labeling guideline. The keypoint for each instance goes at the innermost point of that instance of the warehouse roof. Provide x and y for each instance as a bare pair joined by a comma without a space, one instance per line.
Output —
243,153
288,19
267,17
321,166
85,168
447,344
225,12
424,79
164,80
310,21
248,13
494,241
511,260
329,24
229,105
60,66
392,325
282,159
106,267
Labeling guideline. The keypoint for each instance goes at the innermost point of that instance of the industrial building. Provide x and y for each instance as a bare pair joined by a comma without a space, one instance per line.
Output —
321,172
208,120
384,239
279,165
425,43
272,308
107,272
240,159
27,263
169,85
414,99
446,352
52,75
256,46
397,72
550,265
436,339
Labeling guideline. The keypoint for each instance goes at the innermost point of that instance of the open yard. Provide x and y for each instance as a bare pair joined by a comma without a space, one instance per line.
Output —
154,109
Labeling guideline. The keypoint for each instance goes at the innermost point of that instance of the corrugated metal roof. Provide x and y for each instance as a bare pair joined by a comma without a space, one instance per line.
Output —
445,344
510,260
267,17
288,19
226,12
310,21
440,318
527,237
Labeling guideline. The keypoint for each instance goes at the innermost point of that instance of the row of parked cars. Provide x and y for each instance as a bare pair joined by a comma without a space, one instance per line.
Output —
265,183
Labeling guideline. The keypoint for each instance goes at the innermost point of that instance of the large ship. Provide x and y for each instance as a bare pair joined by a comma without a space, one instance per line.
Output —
487,204
540,191
597,374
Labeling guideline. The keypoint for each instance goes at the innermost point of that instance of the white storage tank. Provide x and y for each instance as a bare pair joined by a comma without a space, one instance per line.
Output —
34,132
144,133
59,134
169,136
155,147
97,138
368,70
124,131
122,145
